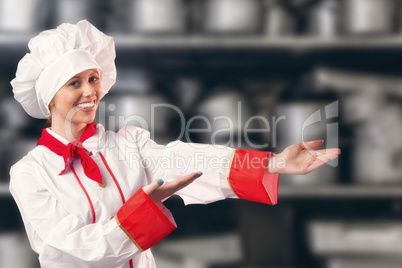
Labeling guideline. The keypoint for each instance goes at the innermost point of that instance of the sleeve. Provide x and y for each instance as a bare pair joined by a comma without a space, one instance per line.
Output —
143,221
67,240
248,177
227,173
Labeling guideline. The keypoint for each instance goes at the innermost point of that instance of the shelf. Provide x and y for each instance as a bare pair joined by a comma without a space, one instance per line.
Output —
215,42
340,191
292,43
317,192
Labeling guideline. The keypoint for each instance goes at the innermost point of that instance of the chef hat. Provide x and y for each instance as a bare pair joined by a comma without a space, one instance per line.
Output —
55,57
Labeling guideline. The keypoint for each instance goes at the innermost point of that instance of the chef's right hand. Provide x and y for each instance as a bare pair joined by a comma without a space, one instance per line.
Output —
158,190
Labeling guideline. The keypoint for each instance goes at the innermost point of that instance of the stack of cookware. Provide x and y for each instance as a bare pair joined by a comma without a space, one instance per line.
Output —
371,106
164,17
272,18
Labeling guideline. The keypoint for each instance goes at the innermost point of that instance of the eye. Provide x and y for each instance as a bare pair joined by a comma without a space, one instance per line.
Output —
75,84
93,79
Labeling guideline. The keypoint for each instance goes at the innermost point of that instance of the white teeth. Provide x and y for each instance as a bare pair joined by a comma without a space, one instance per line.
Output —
86,105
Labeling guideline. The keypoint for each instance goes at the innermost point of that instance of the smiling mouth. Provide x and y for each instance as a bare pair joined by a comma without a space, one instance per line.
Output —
86,105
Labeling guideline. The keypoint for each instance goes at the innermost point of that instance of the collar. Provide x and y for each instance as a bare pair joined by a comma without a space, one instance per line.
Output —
57,136
57,145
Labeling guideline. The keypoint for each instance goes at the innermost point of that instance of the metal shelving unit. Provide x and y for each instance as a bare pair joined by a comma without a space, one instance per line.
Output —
18,42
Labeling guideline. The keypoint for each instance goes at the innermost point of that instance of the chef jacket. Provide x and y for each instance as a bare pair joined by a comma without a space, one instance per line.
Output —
73,221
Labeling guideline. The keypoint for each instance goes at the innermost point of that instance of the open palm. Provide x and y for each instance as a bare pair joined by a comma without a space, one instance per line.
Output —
299,159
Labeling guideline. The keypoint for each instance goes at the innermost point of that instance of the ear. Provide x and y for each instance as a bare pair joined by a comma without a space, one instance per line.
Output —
50,107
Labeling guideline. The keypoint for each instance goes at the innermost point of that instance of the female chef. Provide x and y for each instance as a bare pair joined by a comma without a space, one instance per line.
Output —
83,200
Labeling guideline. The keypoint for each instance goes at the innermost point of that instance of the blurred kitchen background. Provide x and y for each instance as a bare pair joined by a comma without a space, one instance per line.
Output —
339,60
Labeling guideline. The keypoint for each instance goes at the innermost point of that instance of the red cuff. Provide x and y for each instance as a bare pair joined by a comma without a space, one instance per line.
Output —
248,179
143,221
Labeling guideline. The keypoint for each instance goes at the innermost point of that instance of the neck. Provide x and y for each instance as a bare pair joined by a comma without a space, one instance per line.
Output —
70,131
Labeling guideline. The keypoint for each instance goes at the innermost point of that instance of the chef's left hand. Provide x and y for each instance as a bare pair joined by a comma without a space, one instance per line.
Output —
297,159
158,190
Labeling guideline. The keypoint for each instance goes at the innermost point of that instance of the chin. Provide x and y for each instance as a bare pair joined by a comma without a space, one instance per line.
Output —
84,119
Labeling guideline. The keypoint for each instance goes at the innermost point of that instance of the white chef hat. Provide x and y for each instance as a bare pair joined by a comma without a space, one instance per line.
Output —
55,57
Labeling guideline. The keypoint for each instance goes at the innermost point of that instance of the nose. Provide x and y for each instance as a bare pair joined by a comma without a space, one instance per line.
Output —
88,90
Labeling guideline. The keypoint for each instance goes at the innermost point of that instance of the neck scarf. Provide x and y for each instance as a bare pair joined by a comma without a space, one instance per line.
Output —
73,149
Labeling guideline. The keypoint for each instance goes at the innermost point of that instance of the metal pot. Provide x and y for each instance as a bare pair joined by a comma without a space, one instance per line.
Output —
119,110
378,148
223,118
158,16
277,20
302,121
377,164
231,16
72,11
369,17
22,15
359,238
323,19
12,115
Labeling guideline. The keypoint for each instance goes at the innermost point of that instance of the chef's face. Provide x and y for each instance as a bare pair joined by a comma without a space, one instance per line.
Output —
76,102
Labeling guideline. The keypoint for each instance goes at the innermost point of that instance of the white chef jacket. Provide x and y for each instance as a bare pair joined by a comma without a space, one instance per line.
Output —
59,223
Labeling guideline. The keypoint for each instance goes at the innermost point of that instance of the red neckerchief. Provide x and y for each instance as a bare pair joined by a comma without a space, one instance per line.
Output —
73,149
